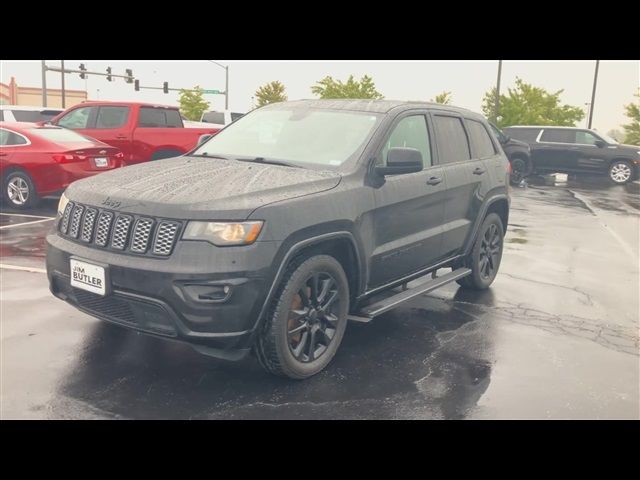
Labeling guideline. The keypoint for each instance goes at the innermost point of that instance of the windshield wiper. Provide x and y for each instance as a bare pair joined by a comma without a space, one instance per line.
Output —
209,155
268,161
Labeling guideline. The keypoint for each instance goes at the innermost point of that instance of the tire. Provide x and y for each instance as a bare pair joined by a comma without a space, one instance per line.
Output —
297,339
18,190
491,234
620,172
518,170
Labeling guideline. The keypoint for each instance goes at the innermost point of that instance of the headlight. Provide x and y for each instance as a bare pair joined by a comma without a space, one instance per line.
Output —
62,204
223,234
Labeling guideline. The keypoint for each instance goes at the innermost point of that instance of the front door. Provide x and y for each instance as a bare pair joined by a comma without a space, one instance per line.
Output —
408,208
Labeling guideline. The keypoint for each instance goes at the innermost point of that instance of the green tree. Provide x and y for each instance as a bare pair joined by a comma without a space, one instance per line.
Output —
529,105
330,88
192,103
272,92
632,130
444,98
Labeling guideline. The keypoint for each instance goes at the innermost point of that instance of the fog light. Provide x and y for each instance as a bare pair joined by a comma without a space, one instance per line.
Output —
207,293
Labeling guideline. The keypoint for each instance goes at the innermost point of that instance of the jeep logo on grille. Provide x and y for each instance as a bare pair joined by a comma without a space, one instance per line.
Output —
111,203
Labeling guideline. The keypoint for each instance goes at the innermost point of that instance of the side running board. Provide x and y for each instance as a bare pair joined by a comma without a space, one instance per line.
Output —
367,313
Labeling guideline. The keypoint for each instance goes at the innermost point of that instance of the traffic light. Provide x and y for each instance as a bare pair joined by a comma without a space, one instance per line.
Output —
82,67
136,85
165,87
108,74
129,78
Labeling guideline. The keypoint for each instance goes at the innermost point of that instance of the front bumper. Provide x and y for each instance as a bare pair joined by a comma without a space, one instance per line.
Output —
171,297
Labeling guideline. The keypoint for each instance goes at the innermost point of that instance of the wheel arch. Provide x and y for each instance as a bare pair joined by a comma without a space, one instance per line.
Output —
341,245
498,204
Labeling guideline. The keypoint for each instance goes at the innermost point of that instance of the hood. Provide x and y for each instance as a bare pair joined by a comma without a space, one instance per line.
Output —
198,188
625,147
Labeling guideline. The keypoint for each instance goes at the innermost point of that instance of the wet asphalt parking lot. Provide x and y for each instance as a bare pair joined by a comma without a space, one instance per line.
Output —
556,336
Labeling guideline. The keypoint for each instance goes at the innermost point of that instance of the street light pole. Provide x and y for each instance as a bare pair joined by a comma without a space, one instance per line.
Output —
497,109
226,82
593,94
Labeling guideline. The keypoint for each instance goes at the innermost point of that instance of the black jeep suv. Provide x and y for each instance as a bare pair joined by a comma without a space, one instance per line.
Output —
578,150
271,235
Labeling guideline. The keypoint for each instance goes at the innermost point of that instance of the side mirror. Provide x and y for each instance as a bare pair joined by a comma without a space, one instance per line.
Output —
400,161
600,144
204,138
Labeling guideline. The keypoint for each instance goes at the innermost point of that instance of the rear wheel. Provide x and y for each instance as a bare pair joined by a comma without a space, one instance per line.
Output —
307,319
19,191
518,170
620,172
484,259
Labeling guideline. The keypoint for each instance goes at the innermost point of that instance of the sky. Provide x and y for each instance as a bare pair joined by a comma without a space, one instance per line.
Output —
398,80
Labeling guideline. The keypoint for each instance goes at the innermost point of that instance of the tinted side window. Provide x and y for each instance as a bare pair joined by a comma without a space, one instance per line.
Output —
482,144
558,135
28,116
586,138
451,138
525,134
78,118
214,117
410,132
112,117
1,115
159,118
235,116
9,138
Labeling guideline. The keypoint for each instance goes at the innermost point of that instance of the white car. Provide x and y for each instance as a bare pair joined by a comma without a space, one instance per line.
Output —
26,113
220,118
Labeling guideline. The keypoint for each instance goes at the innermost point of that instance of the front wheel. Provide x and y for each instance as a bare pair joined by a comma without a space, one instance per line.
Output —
518,170
19,190
484,259
307,319
620,172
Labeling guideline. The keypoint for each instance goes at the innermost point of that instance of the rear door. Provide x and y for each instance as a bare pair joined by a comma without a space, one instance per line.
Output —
463,177
556,150
408,208
160,129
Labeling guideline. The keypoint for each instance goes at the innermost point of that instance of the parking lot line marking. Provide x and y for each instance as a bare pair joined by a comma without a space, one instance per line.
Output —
27,223
24,269
23,215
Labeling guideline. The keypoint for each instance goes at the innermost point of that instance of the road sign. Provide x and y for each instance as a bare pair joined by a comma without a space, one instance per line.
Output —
212,91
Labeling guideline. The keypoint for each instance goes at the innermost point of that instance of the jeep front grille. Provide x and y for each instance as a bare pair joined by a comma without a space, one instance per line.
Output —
117,231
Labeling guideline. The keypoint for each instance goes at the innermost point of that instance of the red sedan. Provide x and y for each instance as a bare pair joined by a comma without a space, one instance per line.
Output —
38,160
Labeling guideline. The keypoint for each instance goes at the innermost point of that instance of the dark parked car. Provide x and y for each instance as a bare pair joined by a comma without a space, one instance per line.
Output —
518,153
294,219
578,150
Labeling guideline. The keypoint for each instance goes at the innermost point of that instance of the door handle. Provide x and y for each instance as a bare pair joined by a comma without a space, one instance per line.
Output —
479,171
121,137
434,180
3,154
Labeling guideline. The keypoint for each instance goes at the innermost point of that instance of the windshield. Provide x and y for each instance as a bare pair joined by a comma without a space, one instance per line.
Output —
60,135
326,138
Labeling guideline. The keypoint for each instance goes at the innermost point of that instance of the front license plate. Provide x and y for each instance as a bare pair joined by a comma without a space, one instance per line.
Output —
101,162
88,277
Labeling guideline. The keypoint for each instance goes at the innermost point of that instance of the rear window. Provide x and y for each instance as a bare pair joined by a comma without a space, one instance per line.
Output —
482,144
215,117
60,135
525,134
451,139
151,117
8,138
33,115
